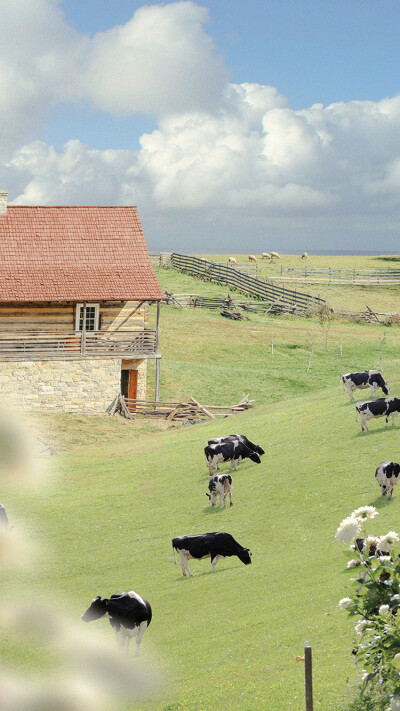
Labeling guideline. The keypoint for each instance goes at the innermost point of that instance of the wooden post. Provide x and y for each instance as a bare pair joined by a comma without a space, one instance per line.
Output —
308,677
158,368
272,345
83,335
157,326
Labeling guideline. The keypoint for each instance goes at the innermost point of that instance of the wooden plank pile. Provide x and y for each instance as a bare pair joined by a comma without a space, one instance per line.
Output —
190,410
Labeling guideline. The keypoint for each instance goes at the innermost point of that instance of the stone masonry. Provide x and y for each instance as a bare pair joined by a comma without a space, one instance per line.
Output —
57,385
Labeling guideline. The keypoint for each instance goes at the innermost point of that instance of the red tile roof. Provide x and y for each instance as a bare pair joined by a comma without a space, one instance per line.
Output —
74,254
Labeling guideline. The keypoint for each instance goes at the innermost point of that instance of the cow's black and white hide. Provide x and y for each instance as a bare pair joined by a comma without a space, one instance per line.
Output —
383,407
229,449
241,438
129,615
365,379
387,476
216,545
220,485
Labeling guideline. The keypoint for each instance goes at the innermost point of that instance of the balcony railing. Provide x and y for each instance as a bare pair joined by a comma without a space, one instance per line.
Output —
52,345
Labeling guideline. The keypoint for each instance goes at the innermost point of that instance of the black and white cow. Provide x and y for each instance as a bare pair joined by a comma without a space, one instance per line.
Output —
230,450
366,379
129,615
383,407
216,545
240,438
387,475
220,485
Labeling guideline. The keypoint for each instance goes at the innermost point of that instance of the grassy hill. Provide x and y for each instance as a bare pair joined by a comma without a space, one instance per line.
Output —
120,491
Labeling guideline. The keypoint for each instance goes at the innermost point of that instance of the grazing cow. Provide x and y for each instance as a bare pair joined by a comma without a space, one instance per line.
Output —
265,255
3,517
129,615
215,545
220,485
387,475
366,378
225,451
275,255
304,255
231,260
383,407
240,438
252,258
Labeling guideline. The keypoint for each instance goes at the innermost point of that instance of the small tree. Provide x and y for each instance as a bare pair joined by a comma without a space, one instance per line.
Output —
325,316
375,599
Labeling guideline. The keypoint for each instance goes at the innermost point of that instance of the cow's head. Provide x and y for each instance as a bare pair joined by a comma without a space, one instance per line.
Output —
245,556
97,609
255,457
385,388
259,449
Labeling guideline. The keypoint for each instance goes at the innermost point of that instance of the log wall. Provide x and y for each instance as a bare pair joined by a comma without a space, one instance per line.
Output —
124,315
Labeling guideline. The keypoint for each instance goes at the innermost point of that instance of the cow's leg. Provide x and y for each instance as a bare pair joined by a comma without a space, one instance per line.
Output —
185,565
230,499
142,630
350,390
214,561
222,497
383,490
389,492
373,390
213,498
218,469
363,423
121,638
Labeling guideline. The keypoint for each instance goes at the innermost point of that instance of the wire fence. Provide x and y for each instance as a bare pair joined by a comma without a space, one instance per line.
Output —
344,276
224,274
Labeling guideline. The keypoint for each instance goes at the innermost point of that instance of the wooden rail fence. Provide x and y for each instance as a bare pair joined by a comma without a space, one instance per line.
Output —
212,271
190,409
344,276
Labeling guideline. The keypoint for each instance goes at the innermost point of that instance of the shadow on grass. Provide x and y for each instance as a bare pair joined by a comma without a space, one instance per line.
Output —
213,509
380,502
388,259
377,431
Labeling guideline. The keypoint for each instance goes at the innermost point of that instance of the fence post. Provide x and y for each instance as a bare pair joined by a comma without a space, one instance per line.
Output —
308,676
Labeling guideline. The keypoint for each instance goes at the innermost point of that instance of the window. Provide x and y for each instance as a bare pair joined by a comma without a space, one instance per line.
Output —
92,317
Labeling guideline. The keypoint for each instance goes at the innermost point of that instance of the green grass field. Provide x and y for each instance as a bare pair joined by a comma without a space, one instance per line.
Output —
119,492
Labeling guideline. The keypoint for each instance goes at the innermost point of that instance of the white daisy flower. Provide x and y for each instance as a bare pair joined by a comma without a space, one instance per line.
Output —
354,563
394,703
360,626
348,530
388,541
365,512
371,541
384,609
344,602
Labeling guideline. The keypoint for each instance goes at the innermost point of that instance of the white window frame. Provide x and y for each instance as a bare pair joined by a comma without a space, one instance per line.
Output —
79,308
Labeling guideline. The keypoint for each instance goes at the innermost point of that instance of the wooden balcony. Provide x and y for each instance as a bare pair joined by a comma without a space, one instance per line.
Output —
61,345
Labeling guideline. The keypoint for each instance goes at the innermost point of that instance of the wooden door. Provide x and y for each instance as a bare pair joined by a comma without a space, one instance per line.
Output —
132,384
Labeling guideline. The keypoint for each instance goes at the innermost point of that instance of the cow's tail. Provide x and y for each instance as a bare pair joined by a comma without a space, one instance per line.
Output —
357,413
173,548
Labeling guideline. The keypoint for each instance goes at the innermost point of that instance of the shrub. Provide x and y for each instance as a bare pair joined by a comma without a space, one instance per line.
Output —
375,600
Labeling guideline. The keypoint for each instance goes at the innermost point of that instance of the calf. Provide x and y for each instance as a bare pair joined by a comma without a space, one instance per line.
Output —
129,615
383,407
216,545
241,438
387,475
220,485
232,450
367,378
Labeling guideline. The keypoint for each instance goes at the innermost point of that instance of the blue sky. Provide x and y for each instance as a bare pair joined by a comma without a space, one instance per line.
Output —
278,120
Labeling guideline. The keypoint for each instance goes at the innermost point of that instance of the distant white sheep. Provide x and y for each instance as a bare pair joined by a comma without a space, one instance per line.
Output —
304,255
231,260
252,258
275,255
265,255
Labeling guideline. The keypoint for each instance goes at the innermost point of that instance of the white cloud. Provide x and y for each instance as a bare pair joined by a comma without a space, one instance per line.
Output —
160,62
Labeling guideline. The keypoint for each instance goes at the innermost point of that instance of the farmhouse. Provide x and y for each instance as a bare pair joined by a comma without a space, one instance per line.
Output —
75,284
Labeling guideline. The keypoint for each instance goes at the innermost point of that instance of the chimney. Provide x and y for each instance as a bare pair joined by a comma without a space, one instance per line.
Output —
3,201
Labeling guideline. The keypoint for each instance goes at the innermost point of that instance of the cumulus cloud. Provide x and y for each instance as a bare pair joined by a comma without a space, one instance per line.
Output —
219,150
160,61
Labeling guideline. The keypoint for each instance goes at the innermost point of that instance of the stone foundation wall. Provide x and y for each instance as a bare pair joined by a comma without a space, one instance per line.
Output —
66,386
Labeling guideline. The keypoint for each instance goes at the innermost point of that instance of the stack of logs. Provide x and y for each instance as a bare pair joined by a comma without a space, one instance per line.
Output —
191,410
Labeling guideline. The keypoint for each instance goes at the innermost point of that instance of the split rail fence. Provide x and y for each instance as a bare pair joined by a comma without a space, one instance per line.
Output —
185,410
212,271
344,276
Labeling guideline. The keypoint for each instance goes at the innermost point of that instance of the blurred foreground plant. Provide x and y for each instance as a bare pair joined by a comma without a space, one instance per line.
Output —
375,599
